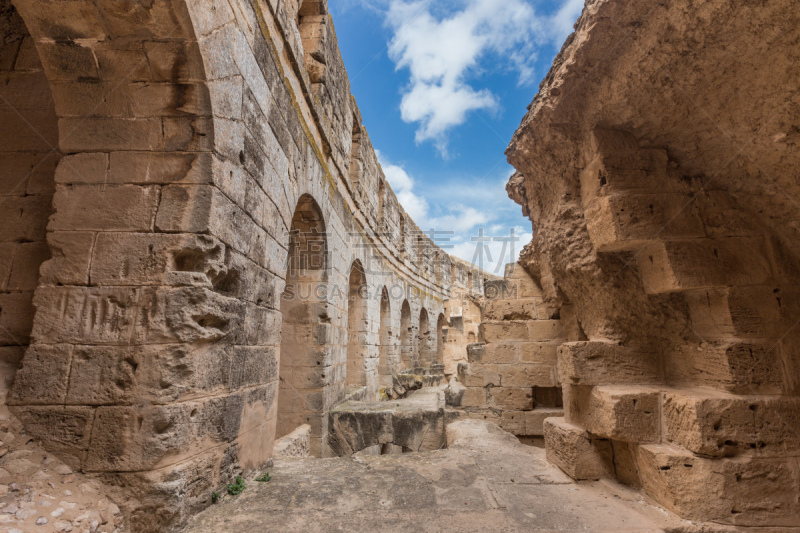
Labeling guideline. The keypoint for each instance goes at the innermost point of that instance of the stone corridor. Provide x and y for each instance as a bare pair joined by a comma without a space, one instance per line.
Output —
205,274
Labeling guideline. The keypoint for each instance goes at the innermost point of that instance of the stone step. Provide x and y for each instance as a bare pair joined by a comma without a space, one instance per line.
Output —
737,366
741,491
761,311
515,309
627,413
573,450
605,363
686,265
628,222
718,424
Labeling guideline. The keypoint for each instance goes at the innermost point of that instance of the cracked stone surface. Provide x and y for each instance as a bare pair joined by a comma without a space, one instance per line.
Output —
485,481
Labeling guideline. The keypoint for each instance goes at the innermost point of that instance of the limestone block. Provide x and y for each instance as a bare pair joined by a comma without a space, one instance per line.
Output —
136,438
103,207
744,312
84,315
71,253
684,265
601,363
629,170
167,60
82,168
471,374
173,373
747,367
520,399
163,19
64,430
253,365
262,326
627,222
156,259
504,331
474,397
516,309
415,423
167,99
476,352
720,425
741,491
513,422
538,352
534,420
626,413
109,134
295,444
144,168
207,20
77,20
544,330
187,314
526,375
43,377
488,415
501,353
454,393
575,452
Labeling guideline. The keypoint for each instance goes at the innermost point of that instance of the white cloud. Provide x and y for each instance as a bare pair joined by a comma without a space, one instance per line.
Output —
442,51
403,187
564,20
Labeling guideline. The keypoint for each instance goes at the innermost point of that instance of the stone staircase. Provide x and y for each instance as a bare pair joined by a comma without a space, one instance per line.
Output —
712,423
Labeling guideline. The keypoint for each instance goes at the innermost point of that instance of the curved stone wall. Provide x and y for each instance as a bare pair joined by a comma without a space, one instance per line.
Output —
194,136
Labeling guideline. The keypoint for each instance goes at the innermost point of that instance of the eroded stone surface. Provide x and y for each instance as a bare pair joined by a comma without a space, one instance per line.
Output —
674,247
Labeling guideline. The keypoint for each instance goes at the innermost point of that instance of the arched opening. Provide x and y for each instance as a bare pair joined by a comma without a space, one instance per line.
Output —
406,337
441,338
385,363
304,359
28,156
427,349
357,327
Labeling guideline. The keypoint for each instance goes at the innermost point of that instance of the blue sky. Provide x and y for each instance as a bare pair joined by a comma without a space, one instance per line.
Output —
442,85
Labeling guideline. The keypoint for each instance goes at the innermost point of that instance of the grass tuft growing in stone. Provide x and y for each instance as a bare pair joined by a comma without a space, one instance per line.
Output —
236,488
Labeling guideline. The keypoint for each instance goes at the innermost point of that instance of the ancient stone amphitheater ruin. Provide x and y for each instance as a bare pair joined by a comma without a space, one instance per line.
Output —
204,275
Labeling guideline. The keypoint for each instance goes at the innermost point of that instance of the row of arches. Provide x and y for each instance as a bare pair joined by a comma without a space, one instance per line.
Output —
322,359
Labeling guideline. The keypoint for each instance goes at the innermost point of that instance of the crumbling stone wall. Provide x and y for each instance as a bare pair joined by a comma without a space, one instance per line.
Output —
510,375
658,163
193,134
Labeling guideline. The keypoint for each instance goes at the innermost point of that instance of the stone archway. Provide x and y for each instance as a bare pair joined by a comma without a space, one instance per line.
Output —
386,351
441,337
304,310
357,327
427,348
406,337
